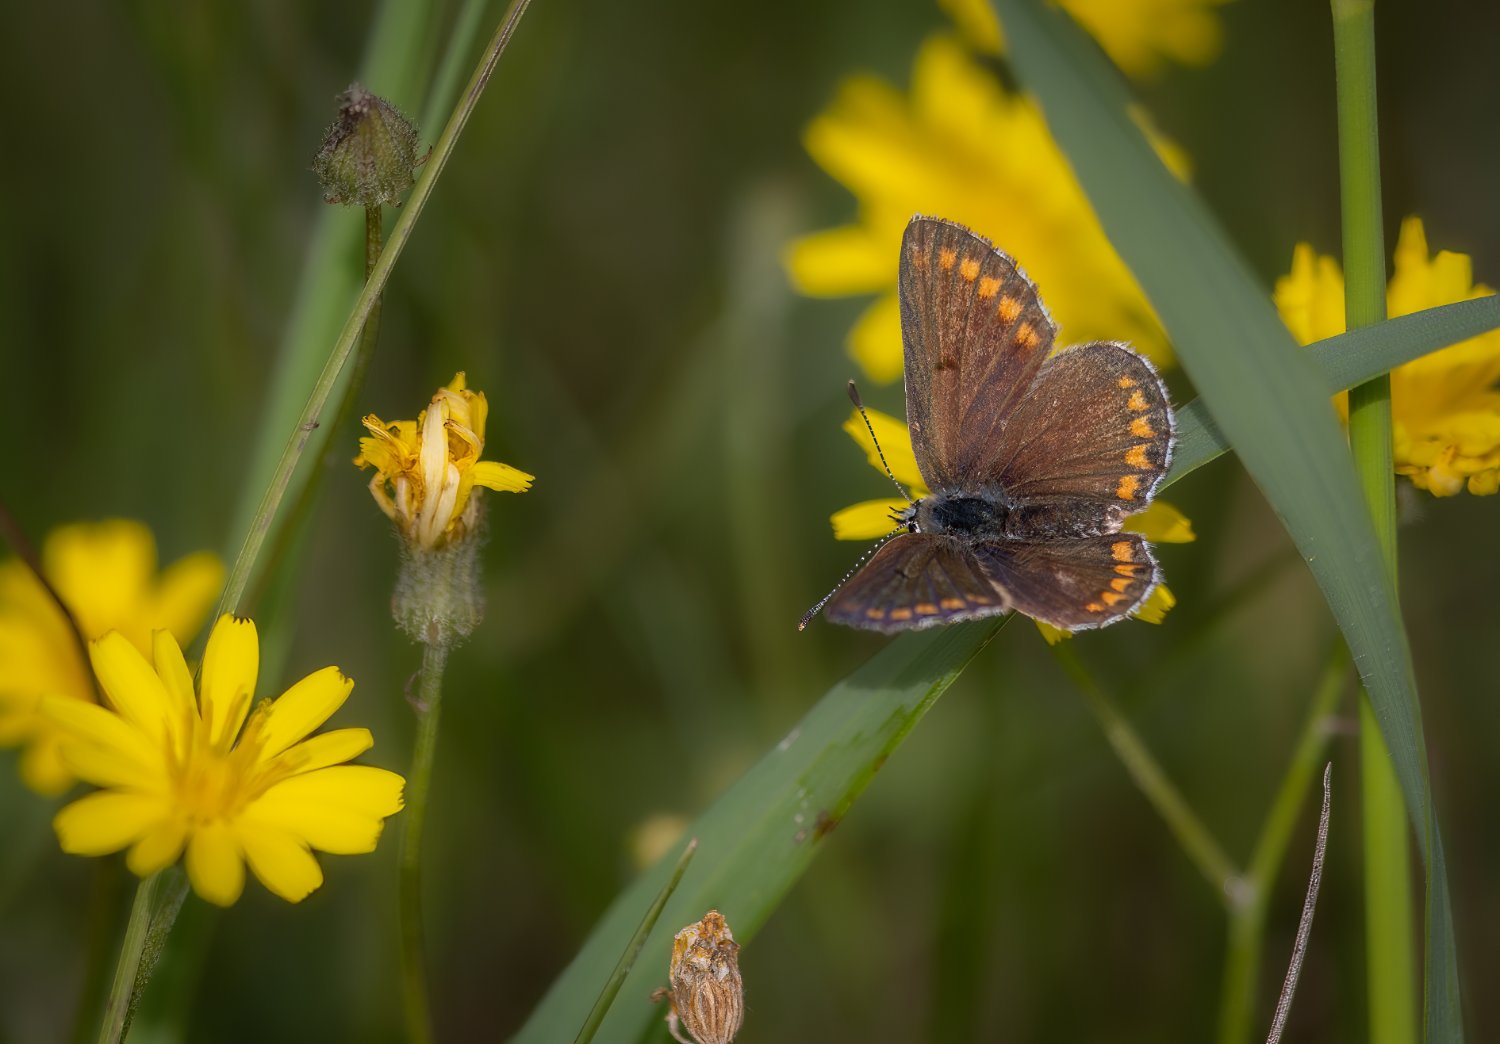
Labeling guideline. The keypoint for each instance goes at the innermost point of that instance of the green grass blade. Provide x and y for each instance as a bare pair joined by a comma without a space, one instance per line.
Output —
634,946
1264,394
1345,361
761,834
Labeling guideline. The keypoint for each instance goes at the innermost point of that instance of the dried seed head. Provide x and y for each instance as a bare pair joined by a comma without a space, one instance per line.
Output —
369,154
707,994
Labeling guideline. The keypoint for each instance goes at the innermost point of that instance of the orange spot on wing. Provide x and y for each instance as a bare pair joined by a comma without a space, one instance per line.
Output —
1128,487
1125,570
1123,551
925,608
1136,456
947,258
901,614
1094,607
989,286
1009,309
1137,401
952,603
1141,428
1126,382
875,613
969,269
1026,336
1112,597
981,600
1120,584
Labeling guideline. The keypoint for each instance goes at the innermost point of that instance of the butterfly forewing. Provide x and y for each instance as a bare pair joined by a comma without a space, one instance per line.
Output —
1073,583
916,580
975,334
1095,424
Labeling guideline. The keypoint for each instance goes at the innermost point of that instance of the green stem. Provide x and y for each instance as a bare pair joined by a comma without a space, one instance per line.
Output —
239,576
1247,920
296,518
413,966
1390,963
152,914
1191,832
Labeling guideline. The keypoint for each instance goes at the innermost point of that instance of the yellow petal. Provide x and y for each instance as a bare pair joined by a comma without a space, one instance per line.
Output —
502,477
130,685
159,848
895,443
42,767
185,594
875,340
302,708
329,748
281,862
103,571
230,666
177,680
839,261
214,864
1053,635
105,822
337,809
1154,609
1161,523
109,767
869,520
99,730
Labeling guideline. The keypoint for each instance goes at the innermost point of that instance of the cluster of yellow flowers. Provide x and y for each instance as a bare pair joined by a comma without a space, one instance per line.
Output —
102,692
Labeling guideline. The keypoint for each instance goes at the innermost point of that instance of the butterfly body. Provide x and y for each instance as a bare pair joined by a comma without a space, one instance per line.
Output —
1035,458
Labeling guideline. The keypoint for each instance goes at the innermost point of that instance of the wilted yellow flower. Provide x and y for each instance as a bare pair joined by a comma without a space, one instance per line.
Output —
105,573
1445,407
1138,35
1160,523
963,147
426,469
208,775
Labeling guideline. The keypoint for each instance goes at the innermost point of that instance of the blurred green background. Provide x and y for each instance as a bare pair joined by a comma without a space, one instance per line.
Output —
602,257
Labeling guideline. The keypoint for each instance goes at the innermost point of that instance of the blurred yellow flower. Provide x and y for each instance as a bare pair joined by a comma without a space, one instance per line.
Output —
963,148
426,469
210,776
1160,523
1138,35
105,573
1445,407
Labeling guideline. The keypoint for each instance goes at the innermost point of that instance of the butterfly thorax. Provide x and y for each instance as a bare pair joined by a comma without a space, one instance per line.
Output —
989,514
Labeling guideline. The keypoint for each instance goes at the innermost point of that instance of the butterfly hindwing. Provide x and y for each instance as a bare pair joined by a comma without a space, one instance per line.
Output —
1095,424
1072,583
975,335
916,580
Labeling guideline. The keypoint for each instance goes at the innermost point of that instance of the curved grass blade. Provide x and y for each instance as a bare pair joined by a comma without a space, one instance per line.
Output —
633,947
1345,361
1266,396
761,834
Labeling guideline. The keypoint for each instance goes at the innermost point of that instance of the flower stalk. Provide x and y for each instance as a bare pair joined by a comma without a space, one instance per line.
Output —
1390,965
428,705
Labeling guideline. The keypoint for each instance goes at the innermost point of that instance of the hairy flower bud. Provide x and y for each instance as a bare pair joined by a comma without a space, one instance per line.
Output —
369,154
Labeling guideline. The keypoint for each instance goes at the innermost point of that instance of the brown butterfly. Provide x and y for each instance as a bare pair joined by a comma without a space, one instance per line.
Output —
1034,458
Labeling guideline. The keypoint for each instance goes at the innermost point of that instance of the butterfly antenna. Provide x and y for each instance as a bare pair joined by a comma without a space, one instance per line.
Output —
808,616
860,406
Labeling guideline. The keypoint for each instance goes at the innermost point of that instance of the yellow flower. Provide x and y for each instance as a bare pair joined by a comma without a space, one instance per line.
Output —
426,469
1160,523
1445,407
105,573
1138,35
210,776
960,147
